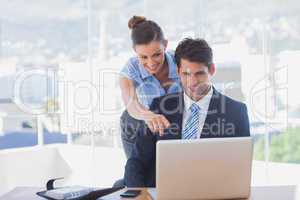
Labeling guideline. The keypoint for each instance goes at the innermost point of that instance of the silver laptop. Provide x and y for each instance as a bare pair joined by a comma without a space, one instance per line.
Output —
217,168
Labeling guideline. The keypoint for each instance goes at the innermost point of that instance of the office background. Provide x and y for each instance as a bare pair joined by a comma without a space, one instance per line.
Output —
60,101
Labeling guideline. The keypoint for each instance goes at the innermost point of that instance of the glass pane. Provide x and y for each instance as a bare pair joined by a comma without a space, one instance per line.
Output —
283,33
36,39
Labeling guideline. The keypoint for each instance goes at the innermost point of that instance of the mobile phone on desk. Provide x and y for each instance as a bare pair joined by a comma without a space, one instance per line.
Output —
131,193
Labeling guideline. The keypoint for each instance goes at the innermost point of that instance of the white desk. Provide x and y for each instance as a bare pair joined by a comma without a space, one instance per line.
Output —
257,193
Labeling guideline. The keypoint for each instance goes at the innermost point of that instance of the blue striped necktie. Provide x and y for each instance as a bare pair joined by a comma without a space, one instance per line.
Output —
190,130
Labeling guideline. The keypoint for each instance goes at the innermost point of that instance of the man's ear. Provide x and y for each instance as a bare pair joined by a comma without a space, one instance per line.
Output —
212,69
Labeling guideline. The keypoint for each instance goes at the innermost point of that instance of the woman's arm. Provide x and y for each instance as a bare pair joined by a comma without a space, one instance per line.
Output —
155,122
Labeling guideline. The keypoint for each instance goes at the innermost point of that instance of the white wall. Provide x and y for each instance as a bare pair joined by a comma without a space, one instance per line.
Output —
80,165
30,167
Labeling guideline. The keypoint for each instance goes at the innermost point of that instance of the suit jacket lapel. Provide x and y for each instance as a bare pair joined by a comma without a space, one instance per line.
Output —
211,117
174,132
212,114
180,114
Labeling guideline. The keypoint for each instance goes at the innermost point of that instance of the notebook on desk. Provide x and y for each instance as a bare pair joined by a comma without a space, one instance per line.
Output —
74,192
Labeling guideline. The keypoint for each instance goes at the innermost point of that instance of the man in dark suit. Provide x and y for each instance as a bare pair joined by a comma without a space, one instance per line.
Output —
200,111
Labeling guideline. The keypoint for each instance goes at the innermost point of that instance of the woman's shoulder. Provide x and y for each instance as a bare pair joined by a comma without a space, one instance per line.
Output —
132,63
131,68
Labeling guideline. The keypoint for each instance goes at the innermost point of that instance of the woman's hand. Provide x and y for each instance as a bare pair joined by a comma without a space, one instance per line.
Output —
157,123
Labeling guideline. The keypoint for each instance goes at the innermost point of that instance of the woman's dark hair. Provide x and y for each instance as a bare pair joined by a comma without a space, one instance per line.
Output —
144,31
194,50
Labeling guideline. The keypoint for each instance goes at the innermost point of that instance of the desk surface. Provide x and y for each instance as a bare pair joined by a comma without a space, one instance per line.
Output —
257,193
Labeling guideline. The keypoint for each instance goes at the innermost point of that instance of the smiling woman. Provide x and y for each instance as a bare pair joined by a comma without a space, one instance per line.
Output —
150,74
